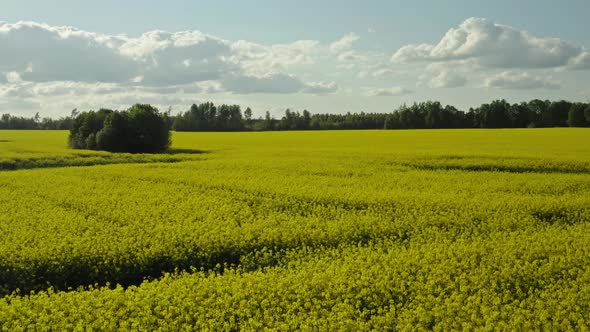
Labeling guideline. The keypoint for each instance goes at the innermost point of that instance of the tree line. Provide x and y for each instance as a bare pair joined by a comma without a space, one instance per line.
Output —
425,115
8,121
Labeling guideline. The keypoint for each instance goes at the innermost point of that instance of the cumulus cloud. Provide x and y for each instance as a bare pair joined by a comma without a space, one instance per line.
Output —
42,53
497,46
346,66
321,88
376,73
257,59
59,88
520,81
158,60
208,87
350,56
344,43
274,83
387,92
382,72
447,80
179,58
375,68
11,105
68,54
14,91
13,77
582,61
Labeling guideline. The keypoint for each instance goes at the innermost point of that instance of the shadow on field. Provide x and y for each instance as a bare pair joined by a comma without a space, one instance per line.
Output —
185,151
89,270
499,168
507,164
5,141
92,158
82,272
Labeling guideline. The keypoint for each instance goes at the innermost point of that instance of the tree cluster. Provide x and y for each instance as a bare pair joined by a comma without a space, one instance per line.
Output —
535,113
497,114
141,128
208,117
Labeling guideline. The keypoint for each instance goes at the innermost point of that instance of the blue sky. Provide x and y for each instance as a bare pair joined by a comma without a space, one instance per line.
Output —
325,56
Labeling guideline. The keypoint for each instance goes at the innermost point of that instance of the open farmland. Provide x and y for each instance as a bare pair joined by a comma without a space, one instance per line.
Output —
338,230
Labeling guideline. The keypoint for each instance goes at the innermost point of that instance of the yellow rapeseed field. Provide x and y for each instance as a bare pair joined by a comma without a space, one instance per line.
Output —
319,230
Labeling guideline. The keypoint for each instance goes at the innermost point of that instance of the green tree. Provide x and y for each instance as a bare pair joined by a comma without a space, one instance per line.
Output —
519,115
268,121
538,113
306,120
142,128
575,116
560,113
248,116
113,136
148,129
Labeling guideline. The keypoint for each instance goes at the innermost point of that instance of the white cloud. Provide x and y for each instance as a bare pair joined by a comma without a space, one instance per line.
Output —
13,77
350,56
179,58
321,88
275,83
43,53
346,66
259,59
520,81
373,67
14,91
382,72
387,92
497,46
582,61
413,52
12,105
145,45
272,83
59,88
447,80
207,87
166,61
344,43
363,74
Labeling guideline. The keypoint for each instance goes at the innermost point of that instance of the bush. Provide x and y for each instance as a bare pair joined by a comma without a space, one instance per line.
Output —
139,129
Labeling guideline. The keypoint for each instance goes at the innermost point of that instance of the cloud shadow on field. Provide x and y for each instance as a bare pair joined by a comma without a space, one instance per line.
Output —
507,164
93,158
176,151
